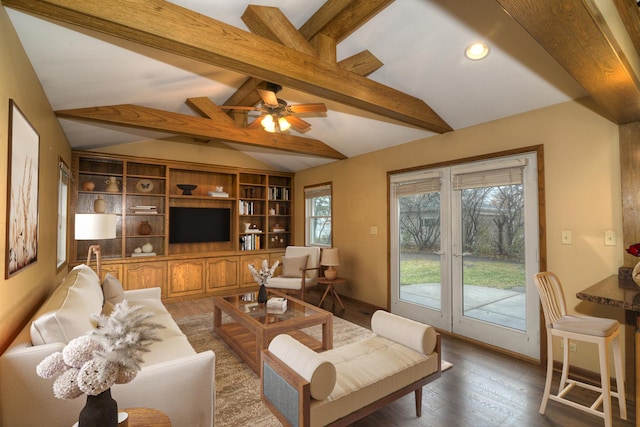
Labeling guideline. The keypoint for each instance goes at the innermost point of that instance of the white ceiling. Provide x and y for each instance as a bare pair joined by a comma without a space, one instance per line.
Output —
420,42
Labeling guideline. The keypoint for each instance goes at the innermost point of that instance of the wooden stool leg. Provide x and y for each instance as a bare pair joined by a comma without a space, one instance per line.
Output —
617,362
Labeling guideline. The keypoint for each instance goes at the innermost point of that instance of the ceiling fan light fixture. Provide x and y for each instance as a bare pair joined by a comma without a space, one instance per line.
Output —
477,51
270,125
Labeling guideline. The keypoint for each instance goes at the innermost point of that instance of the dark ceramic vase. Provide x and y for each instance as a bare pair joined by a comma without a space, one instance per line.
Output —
99,411
262,294
144,228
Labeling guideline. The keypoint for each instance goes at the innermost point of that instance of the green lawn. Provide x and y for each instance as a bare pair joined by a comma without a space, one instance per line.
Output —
478,272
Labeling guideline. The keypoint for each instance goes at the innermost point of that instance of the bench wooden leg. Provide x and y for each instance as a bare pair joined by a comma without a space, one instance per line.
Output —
419,402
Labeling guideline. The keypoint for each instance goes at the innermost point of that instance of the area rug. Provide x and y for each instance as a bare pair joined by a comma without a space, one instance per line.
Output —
238,387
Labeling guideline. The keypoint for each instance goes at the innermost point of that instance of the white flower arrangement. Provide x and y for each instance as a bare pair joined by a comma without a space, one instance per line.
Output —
110,354
263,275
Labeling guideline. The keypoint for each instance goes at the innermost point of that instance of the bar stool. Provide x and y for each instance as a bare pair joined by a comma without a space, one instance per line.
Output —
603,332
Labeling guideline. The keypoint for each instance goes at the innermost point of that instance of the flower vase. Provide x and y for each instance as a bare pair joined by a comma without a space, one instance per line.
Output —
99,411
262,294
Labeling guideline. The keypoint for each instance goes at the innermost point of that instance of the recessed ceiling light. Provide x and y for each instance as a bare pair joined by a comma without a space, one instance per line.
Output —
477,51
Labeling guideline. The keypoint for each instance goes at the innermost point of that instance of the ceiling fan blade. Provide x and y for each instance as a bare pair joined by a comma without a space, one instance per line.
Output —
298,123
308,108
256,123
268,97
238,107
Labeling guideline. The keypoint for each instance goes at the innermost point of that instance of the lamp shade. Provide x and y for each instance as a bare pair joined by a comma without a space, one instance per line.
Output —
95,226
330,257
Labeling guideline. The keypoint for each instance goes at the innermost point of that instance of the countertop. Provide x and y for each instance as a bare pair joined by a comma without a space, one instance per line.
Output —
615,291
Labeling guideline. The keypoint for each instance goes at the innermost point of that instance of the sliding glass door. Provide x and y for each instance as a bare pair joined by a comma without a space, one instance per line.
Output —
464,248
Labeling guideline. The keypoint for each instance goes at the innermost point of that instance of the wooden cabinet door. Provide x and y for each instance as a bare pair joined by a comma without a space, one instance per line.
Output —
146,275
222,273
114,269
245,275
186,277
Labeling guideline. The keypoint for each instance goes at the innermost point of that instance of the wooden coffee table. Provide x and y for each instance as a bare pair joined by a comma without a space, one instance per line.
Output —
249,327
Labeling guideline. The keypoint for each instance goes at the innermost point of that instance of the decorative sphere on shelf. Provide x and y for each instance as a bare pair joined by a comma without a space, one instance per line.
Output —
147,248
137,250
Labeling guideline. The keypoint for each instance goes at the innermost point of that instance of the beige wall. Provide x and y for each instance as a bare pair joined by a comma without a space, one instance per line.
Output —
184,149
23,292
582,176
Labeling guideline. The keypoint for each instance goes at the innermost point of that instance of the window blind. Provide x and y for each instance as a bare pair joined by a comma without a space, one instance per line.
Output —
488,178
319,191
430,185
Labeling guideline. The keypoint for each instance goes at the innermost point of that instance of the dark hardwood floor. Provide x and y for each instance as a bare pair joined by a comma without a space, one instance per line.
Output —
484,388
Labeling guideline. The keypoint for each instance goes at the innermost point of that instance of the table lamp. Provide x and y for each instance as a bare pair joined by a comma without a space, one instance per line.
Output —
95,227
330,258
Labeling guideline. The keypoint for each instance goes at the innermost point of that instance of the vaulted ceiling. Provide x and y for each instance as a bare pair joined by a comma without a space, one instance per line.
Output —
389,72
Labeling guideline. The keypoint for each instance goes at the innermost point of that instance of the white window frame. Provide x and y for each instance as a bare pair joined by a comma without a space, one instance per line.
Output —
311,193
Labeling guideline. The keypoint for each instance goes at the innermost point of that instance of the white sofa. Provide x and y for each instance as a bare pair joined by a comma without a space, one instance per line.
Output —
340,386
173,378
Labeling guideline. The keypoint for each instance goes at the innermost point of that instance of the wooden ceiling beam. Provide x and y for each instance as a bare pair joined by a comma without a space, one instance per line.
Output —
363,63
339,18
576,35
168,27
208,108
270,23
158,120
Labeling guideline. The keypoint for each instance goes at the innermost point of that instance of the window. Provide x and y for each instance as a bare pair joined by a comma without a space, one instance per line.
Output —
318,215
63,204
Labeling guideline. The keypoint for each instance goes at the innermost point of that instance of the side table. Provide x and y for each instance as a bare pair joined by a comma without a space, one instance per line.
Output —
330,284
147,417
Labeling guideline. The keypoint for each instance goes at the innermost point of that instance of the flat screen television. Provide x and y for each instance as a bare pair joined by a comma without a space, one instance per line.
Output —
199,225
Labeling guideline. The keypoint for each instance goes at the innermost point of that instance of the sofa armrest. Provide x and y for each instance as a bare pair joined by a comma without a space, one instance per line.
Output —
183,388
140,294
284,391
25,398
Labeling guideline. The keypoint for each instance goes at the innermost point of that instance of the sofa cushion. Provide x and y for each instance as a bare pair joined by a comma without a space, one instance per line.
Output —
293,266
311,366
112,289
67,313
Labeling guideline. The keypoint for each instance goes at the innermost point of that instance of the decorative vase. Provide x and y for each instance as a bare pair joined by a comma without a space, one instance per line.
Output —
144,228
88,186
99,411
147,248
262,294
112,185
100,205
635,275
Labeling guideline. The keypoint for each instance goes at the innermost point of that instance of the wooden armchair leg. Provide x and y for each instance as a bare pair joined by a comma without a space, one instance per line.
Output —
419,402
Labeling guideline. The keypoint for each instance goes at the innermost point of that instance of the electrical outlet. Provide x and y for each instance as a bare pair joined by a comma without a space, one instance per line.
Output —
609,238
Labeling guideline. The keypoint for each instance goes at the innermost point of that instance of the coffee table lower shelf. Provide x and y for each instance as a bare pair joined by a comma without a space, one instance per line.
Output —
245,343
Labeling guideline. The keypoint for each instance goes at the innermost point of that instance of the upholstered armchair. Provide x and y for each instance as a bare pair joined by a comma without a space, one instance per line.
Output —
300,269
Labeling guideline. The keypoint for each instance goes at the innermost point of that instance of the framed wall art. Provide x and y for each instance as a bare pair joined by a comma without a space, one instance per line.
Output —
22,192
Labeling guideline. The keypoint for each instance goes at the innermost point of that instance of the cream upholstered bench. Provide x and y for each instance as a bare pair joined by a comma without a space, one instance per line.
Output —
339,386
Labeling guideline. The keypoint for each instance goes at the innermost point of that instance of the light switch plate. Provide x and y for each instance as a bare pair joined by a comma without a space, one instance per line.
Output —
566,237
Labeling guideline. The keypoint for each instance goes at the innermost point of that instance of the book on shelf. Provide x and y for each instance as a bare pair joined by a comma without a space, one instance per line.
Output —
218,194
146,210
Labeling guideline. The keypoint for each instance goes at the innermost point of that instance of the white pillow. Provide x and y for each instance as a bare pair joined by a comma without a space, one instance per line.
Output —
67,313
112,289
292,266
311,366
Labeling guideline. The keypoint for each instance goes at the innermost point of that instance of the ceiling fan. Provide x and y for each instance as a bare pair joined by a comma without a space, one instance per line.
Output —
277,115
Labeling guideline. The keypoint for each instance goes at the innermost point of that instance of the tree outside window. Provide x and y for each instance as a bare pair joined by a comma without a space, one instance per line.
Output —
318,215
